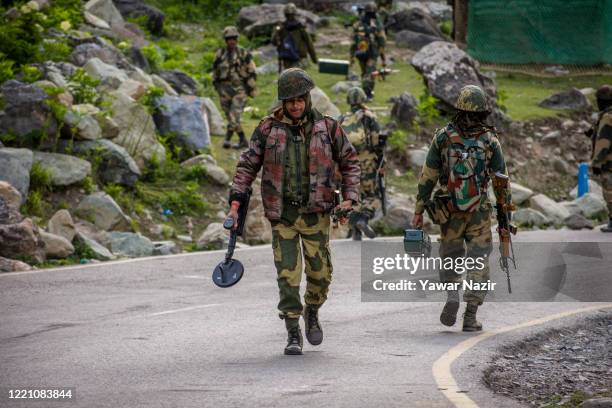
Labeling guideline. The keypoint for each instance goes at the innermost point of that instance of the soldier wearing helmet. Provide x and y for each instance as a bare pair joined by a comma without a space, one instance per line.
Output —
462,158
384,10
363,131
294,44
298,149
601,135
234,79
368,44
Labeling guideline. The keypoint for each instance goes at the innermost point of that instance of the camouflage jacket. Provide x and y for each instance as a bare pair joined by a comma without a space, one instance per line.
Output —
602,142
362,130
436,164
301,38
368,39
237,68
267,148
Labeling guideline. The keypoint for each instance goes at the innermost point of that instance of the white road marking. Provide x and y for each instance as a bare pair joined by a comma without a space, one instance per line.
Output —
442,367
185,309
195,277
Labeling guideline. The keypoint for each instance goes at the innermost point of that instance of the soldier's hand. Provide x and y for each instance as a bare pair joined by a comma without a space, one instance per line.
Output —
344,208
417,221
233,213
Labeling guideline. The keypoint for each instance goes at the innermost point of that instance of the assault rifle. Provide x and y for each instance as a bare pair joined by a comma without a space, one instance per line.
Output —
504,227
380,170
383,72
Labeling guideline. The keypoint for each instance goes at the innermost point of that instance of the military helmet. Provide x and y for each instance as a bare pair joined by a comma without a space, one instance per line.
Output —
355,96
294,82
472,99
604,93
230,32
371,7
290,9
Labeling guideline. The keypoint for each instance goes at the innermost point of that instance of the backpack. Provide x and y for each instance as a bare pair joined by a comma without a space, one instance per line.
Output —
288,49
467,171
355,131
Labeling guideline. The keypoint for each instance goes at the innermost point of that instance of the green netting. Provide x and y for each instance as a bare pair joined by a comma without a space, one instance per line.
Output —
540,31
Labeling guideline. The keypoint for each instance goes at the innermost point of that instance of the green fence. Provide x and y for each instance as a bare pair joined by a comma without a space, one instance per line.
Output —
540,31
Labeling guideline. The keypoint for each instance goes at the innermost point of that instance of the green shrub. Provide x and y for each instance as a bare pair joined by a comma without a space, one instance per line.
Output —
88,185
502,97
195,173
186,201
153,56
35,205
83,87
6,69
40,178
30,74
427,108
54,50
149,99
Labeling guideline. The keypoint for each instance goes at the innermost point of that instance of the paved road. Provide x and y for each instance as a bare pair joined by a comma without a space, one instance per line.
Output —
157,333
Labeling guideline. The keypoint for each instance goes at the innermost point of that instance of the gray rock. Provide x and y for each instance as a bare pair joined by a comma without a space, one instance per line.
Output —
592,206
86,126
95,21
217,175
21,239
11,196
404,110
520,194
439,11
137,8
138,58
216,123
551,209
61,224
267,68
129,244
203,160
110,128
266,52
260,19
139,75
98,49
323,104
103,212
398,217
560,165
133,89
572,207
577,222
594,188
105,10
15,166
161,83
97,250
572,99
115,164
213,237
185,119
551,138
416,160
24,110
556,70
529,217
603,402
64,169
56,246
415,20
109,75
257,229
413,40
344,86
11,265
165,248
180,82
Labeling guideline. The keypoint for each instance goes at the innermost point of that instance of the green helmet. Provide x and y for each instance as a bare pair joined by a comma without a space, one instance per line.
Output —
355,96
604,93
290,9
371,8
472,99
230,32
294,82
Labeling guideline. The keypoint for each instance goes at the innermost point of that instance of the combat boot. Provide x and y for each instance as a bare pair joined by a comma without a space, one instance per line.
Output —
356,234
607,228
242,143
312,327
228,137
470,324
448,317
362,225
294,337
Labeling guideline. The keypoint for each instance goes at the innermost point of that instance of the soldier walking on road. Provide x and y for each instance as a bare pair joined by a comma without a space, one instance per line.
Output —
368,44
463,156
292,41
601,162
298,149
234,79
363,131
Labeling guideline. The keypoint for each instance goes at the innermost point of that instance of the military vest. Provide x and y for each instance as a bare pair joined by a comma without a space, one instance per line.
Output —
232,66
296,184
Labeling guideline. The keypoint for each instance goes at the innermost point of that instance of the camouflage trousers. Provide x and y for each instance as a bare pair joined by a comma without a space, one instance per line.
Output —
471,231
232,99
368,67
300,235
370,200
606,186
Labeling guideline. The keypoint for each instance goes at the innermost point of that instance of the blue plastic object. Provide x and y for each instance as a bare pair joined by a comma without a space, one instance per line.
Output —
583,179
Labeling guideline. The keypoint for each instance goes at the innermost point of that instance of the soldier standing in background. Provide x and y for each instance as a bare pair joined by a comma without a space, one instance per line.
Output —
292,41
368,44
298,149
463,157
385,7
601,162
234,79
363,131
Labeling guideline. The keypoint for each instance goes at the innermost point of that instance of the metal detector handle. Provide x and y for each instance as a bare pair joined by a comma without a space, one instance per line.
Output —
229,224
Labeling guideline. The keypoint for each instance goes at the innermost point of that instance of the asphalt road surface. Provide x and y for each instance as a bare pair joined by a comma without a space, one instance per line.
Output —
156,332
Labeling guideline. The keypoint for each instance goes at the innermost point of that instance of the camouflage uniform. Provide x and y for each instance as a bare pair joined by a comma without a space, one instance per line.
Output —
300,37
385,7
234,79
601,162
368,44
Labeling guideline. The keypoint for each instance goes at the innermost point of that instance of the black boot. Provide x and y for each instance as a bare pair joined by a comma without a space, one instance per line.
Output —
369,93
607,228
228,137
470,324
242,143
362,225
312,327
294,337
448,317
356,234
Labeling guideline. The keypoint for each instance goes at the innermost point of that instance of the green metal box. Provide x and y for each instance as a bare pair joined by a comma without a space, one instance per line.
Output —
333,66
417,243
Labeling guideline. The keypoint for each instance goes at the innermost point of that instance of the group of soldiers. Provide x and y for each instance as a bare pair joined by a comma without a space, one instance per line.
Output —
306,156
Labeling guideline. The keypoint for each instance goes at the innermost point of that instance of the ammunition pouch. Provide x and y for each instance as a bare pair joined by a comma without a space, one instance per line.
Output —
439,209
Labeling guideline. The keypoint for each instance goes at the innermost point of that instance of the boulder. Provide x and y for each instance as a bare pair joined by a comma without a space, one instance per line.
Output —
257,229
415,20
95,249
15,166
8,213
24,110
414,40
416,160
100,209
447,68
100,50
86,126
398,218
180,82
594,188
161,83
217,175
260,20
115,164
61,224
21,239
10,195
133,89
561,166
215,120
105,10
137,130
344,86
572,207
528,217
439,11
110,128
139,75
551,209
95,21
577,222
572,99
323,104
129,244
165,248
592,206
203,160
137,8
599,402
267,68
11,265
551,138
109,75
138,58
403,111
266,52
185,119
520,194
64,169
213,237
56,246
